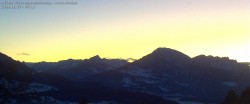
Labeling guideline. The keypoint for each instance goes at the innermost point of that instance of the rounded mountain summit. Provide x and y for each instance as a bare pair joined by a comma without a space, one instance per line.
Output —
165,55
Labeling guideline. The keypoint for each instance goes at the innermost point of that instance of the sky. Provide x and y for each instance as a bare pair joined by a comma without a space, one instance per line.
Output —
125,29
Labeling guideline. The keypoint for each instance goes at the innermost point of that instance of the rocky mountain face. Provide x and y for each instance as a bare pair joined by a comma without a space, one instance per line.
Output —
11,69
14,78
157,77
172,74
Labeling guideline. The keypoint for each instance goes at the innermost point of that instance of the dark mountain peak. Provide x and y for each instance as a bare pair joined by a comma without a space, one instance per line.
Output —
95,58
220,62
162,49
12,69
4,57
210,58
163,56
6,60
1,54
66,61
167,54
166,51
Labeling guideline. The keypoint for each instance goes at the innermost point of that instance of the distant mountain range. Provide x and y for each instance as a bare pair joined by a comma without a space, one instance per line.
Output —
77,70
165,76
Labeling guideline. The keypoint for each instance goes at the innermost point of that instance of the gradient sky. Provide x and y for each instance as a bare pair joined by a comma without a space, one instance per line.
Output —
126,29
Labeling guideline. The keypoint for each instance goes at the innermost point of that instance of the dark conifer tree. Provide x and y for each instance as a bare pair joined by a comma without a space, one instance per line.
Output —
245,96
231,98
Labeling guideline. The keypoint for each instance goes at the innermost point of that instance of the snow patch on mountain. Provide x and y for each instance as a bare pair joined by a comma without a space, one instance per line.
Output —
94,70
50,100
139,72
9,84
37,87
230,84
182,83
164,89
127,82
150,81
